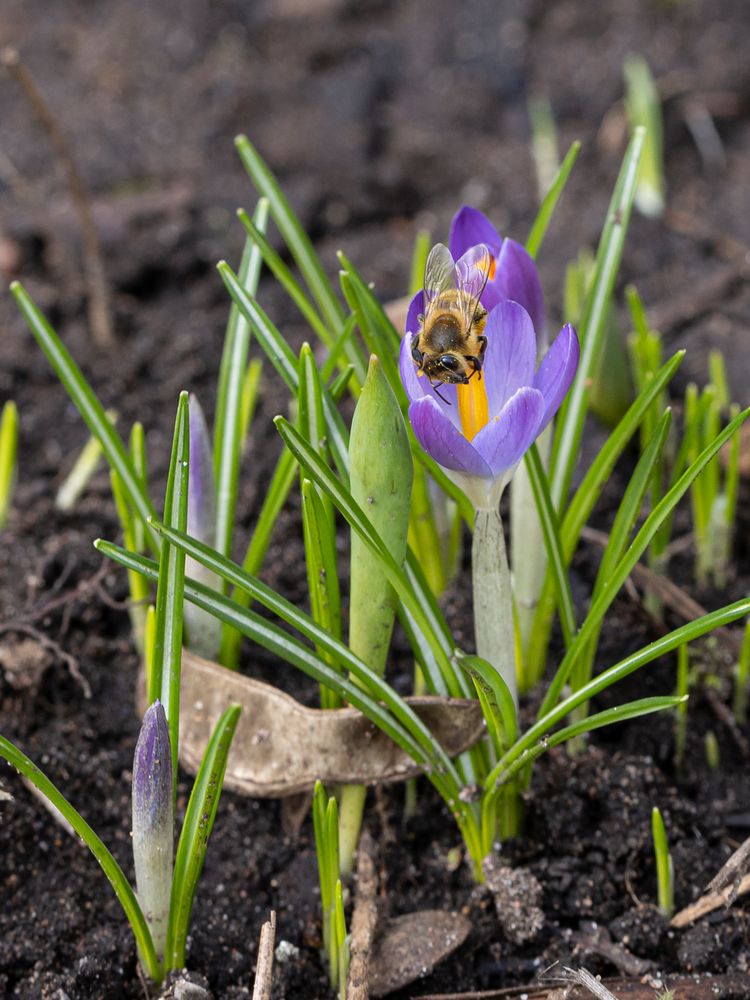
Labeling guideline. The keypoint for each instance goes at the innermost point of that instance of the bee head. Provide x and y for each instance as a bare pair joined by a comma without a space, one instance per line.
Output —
446,368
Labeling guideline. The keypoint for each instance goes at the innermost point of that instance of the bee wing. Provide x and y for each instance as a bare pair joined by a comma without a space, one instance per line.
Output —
472,272
439,274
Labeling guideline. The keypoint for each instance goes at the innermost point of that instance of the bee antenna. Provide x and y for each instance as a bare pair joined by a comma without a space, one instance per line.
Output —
437,393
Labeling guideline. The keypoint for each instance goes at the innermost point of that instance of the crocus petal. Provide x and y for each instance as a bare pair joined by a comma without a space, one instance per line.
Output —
517,278
415,310
507,436
557,370
444,442
510,358
417,385
469,227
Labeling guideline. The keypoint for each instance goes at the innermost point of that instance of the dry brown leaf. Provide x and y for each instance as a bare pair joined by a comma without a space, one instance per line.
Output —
412,945
281,747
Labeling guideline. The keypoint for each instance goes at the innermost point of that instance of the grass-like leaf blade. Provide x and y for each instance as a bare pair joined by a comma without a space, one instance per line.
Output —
322,475
278,352
620,573
286,279
293,233
627,513
372,695
569,426
497,702
275,498
547,208
553,543
228,424
199,820
165,675
86,403
582,503
665,644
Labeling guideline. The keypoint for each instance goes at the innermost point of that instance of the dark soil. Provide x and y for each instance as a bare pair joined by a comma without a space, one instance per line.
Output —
379,118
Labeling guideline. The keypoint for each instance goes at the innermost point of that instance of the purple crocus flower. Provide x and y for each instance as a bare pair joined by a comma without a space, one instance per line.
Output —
514,274
521,401
153,821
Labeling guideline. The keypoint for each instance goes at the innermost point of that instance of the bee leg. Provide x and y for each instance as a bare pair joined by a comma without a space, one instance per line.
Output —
415,352
482,349
476,362
437,392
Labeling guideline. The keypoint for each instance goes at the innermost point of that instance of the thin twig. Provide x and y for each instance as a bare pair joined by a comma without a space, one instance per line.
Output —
708,903
100,317
733,871
696,987
364,921
92,583
264,965
582,977
49,644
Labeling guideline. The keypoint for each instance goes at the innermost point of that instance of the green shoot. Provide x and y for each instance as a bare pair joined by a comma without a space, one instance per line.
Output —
140,466
149,643
326,829
664,865
543,144
644,109
711,749
680,724
8,457
83,470
249,398
714,496
342,941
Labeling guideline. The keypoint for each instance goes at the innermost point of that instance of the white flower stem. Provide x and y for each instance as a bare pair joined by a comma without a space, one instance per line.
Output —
493,600
527,550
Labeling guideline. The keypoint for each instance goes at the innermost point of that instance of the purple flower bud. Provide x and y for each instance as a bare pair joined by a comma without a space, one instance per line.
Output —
201,522
153,821
203,630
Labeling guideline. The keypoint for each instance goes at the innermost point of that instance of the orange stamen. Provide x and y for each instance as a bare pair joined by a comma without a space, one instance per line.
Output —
473,408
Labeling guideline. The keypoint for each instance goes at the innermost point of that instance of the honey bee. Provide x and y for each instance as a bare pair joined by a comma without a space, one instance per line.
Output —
450,345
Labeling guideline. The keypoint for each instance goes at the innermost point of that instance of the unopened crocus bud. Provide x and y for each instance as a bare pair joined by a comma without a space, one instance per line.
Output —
153,822
381,473
203,630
